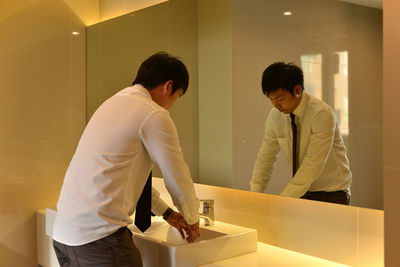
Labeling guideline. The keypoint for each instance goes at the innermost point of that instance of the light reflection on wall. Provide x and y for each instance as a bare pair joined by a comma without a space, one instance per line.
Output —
312,69
341,80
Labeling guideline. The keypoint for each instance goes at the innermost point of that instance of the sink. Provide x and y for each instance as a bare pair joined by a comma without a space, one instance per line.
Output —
161,244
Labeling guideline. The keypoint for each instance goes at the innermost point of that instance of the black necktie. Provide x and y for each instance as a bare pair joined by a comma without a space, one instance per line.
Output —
143,207
294,131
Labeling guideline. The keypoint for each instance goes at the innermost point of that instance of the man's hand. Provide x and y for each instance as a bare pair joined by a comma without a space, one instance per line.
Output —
192,231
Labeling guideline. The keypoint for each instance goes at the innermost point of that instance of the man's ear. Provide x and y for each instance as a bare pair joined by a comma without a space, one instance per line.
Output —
168,87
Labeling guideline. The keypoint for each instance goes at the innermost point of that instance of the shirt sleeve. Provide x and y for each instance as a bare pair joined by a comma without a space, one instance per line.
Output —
158,206
160,138
321,140
266,158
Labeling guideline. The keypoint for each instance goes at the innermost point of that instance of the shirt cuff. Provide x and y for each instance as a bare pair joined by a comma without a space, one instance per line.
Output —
192,220
292,190
159,207
257,188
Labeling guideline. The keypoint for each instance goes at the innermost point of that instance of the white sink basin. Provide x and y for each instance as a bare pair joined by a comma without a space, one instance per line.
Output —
162,246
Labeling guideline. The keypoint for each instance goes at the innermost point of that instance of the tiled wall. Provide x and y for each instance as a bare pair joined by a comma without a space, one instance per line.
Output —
42,112
343,234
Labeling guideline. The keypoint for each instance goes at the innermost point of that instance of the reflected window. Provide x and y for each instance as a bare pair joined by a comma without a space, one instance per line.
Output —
312,70
341,80
313,80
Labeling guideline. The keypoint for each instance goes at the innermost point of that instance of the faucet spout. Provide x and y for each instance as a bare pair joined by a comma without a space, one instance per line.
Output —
208,211
207,220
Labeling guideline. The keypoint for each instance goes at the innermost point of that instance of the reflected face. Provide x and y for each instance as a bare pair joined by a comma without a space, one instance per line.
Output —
284,101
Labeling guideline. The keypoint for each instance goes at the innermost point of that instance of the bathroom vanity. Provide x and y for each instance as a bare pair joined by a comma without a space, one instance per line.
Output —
253,229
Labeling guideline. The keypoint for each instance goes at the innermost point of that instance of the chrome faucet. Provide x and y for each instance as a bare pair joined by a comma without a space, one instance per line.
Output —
208,211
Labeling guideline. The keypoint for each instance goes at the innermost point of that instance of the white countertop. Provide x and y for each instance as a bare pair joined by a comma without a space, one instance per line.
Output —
268,255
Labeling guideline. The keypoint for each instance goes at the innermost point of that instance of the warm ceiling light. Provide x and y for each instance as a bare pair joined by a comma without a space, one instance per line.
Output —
75,33
287,13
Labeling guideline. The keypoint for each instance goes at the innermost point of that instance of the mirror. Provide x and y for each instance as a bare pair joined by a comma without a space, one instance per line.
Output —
226,45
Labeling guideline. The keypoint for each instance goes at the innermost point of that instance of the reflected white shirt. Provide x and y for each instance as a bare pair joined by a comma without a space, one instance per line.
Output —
322,160
109,169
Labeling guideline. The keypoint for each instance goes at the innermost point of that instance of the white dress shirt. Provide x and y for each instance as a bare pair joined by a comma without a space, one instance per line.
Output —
109,169
321,159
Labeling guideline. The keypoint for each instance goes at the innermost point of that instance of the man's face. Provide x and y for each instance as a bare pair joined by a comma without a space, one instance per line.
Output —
284,101
171,98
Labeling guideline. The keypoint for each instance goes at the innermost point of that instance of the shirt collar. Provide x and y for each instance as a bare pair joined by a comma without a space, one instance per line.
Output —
301,108
139,89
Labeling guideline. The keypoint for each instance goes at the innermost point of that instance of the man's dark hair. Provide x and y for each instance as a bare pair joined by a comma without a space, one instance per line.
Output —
160,68
281,75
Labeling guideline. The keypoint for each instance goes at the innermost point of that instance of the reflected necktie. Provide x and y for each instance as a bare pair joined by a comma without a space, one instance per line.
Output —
143,207
294,131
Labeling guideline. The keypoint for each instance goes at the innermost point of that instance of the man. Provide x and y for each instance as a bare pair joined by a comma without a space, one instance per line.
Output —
307,131
111,165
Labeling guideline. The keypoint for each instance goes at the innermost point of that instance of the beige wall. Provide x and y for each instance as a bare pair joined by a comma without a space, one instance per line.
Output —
183,43
117,47
113,8
391,130
215,93
42,112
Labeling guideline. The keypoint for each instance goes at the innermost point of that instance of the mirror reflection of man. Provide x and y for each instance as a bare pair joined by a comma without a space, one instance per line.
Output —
307,131
109,171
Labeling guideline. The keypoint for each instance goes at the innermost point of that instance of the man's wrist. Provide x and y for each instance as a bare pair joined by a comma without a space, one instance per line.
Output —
167,213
